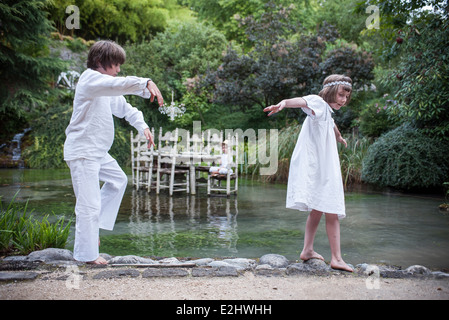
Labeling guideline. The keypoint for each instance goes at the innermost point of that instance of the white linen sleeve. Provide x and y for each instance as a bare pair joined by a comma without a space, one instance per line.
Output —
97,84
317,104
122,109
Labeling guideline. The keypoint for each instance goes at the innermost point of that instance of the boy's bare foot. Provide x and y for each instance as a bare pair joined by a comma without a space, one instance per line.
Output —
340,265
99,260
310,255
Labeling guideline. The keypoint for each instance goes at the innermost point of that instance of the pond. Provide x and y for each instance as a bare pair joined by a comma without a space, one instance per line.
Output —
386,228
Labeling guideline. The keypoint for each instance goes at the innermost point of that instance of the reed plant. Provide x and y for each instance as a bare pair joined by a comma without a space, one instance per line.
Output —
22,233
286,144
350,158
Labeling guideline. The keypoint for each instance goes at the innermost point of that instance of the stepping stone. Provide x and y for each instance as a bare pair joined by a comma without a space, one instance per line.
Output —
17,276
165,272
113,274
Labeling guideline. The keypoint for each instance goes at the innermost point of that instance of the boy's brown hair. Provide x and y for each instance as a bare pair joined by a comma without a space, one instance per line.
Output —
329,93
105,53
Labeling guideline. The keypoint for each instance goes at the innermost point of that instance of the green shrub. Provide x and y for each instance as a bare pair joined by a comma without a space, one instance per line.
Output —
407,159
374,118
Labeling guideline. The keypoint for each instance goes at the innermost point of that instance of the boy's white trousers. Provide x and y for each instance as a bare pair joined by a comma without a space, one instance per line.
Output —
95,207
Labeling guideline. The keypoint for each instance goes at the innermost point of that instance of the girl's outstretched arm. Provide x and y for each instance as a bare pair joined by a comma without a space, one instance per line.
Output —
287,103
339,137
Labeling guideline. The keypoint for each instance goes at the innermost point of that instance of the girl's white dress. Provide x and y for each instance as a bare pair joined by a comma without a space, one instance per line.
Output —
315,180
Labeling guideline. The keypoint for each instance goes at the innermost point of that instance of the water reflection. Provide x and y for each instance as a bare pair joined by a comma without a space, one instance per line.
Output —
380,227
159,223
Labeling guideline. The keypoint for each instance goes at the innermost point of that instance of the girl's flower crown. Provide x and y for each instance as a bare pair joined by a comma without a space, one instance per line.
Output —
330,84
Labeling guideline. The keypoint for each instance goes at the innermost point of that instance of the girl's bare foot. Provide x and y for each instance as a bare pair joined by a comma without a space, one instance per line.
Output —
340,265
99,260
310,255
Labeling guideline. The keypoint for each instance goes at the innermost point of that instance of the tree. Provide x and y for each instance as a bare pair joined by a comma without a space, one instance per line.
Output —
283,63
225,15
27,69
120,20
273,68
419,78
174,59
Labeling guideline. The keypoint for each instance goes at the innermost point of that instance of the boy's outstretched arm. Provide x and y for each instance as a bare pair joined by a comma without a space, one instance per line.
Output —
154,90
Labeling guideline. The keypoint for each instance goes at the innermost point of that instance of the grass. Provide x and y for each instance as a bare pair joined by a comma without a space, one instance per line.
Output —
350,158
22,233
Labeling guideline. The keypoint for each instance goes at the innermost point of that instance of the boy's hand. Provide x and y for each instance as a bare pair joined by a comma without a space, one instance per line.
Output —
154,90
149,137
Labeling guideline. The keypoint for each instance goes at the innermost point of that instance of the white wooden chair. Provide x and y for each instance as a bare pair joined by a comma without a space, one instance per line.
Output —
196,149
141,161
215,181
175,178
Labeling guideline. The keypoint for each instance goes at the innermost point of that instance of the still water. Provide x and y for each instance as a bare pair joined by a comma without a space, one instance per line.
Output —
386,228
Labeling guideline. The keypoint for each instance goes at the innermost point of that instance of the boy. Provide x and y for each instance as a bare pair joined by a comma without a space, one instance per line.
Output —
99,96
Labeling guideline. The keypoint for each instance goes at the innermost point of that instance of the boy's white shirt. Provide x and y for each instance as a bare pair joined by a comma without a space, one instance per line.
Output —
98,97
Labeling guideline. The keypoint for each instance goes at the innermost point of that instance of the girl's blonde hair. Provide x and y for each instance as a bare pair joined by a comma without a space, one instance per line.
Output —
105,53
329,93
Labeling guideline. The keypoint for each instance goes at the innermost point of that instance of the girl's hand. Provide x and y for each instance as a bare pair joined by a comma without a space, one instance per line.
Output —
149,137
342,141
275,108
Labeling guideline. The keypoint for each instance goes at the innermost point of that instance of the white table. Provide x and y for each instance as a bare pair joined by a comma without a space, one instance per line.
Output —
189,158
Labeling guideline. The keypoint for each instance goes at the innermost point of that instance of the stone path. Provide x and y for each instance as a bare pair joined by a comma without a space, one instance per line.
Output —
40,264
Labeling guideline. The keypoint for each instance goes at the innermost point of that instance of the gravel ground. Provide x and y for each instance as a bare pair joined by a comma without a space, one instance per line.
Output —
244,287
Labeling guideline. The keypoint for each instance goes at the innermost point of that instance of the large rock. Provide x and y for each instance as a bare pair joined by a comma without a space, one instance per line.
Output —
274,260
241,263
165,272
17,276
115,274
130,259
417,269
312,266
317,264
51,254
202,262
237,263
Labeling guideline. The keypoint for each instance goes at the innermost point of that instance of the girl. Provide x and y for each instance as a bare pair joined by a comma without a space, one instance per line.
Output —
315,183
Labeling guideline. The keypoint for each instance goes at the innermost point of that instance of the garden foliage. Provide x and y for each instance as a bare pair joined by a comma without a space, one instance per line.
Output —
227,60
421,79
405,158
26,67
22,233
